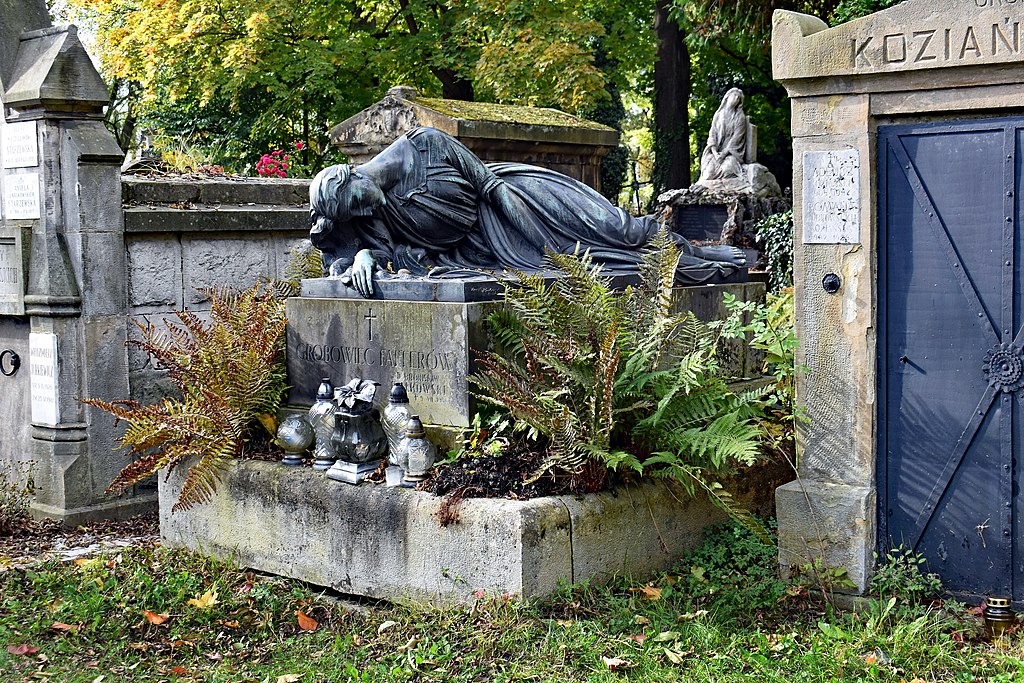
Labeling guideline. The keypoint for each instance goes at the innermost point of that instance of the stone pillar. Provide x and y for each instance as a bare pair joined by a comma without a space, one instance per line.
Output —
64,190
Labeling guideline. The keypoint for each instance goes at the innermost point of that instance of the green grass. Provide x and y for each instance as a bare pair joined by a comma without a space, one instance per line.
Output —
719,616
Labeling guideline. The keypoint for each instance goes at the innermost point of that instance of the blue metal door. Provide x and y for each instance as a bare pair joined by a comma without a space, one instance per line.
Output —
950,360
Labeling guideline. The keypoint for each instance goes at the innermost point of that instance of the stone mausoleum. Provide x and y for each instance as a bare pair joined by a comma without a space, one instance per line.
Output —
908,136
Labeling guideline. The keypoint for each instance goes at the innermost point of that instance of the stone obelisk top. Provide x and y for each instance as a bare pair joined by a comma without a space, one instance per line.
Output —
18,16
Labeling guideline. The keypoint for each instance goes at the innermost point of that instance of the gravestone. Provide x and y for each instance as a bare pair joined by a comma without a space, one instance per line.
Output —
907,154
428,333
62,268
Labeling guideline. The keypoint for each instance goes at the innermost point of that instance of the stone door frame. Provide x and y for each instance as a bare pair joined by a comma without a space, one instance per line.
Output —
911,63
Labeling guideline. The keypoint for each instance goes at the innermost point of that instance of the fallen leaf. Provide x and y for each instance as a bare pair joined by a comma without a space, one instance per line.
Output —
564,622
204,601
641,620
673,656
638,638
229,624
179,671
213,656
99,679
289,678
615,663
306,623
385,626
22,649
61,626
871,658
689,616
409,645
154,618
666,636
649,592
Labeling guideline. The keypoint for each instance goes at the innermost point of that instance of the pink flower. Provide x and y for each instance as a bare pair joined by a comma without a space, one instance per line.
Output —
299,144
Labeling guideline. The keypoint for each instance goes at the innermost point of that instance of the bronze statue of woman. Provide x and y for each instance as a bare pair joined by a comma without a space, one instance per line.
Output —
428,202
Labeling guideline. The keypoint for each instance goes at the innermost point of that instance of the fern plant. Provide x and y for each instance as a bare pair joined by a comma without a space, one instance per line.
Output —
231,377
611,380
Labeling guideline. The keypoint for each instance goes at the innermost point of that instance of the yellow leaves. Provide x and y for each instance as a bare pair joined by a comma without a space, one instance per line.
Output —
289,678
204,601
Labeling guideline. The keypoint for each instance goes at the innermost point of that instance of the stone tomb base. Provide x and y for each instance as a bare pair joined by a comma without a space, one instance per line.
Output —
382,542
431,346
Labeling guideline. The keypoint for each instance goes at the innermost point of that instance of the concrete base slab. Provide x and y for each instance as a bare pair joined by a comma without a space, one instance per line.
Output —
387,542
118,508
826,522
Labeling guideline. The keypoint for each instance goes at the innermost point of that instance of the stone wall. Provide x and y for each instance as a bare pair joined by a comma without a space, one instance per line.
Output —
183,235
180,235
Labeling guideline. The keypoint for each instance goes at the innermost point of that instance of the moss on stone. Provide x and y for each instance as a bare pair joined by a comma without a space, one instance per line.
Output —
506,113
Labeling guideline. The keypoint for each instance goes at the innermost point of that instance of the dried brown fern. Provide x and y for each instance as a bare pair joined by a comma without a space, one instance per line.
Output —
229,372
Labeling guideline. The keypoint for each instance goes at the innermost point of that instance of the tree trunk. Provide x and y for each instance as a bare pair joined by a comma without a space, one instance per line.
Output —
454,87
671,103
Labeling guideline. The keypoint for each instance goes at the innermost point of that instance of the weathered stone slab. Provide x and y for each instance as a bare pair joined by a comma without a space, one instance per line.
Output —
383,542
426,345
829,523
14,251
911,36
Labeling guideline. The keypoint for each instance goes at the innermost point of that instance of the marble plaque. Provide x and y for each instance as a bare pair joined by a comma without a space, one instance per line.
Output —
21,196
20,145
12,274
831,202
43,373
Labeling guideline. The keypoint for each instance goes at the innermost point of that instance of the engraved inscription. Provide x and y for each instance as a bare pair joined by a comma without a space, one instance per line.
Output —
831,201
21,196
940,46
43,382
20,147
10,270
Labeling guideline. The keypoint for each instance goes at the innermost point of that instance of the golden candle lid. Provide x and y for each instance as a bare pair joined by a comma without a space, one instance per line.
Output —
999,602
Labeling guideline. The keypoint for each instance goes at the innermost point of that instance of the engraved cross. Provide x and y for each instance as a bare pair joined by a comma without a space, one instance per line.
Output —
369,318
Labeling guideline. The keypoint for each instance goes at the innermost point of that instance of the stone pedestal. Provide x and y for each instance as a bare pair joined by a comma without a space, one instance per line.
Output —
725,216
428,345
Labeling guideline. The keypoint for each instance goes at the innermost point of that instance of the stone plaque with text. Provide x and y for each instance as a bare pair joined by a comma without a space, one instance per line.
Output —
12,272
831,202
428,346
20,147
21,196
43,373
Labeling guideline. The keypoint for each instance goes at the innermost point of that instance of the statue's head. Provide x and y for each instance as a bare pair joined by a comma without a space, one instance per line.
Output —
339,193
733,99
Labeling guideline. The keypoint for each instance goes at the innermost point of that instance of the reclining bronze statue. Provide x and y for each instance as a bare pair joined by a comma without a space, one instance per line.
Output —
427,205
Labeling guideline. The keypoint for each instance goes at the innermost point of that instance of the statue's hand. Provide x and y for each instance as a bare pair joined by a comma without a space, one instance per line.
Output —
362,272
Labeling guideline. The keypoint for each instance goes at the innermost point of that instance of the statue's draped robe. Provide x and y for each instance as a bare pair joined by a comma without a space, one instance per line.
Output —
451,209
727,144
